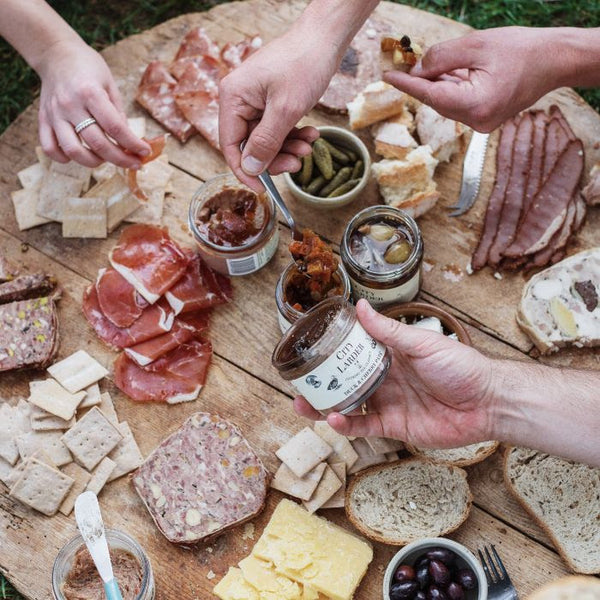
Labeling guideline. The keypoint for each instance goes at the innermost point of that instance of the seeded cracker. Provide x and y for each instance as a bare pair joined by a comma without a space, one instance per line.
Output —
49,441
300,487
126,454
53,398
41,487
80,477
92,438
304,452
101,475
77,371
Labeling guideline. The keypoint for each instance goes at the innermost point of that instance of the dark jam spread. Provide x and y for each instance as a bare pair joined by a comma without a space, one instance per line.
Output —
381,245
232,218
302,293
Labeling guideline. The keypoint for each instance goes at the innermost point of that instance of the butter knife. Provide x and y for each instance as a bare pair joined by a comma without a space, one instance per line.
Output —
472,171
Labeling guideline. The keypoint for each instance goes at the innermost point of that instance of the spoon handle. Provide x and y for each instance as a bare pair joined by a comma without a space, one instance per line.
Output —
266,180
112,591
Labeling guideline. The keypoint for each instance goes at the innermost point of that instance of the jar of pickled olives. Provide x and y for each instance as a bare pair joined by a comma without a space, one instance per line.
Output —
382,251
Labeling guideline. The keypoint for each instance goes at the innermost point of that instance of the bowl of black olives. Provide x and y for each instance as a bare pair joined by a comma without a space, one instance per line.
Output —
434,569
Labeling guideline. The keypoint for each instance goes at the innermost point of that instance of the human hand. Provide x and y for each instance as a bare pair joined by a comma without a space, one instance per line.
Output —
485,77
438,392
76,85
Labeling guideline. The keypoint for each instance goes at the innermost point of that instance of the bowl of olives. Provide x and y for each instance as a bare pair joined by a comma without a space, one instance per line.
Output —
434,569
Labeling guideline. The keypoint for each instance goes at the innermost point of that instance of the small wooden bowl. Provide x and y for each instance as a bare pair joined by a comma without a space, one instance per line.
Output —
422,309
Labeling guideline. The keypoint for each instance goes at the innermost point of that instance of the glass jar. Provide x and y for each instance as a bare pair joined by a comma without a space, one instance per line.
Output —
286,313
230,242
330,359
116,540
372,277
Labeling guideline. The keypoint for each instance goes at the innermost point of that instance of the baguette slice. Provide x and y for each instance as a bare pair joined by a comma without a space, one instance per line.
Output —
562,496
458,457
400,502
570,587
376,102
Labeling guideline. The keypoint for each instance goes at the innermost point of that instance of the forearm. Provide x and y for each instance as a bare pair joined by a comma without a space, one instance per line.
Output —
553,410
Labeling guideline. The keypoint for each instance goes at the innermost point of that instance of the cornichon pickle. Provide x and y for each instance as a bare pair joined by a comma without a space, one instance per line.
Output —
322,158
353,156
307,170
358,169
315,185
345,187
340,155
340,177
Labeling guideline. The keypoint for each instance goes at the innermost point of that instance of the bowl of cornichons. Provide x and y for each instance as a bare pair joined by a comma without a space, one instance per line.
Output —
336,171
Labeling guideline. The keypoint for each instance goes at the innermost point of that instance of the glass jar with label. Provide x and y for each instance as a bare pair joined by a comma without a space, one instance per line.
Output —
330,359
382,251
235,228
294,298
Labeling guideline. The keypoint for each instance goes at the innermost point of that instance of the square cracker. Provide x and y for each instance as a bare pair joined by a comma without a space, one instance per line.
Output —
120,202
77,371
31,176
300,487
5,471
50,396
367,461
101,475
107,408
304,452
48,441
73,169
338,500
84,218
126,453
40,455
80,477
45,421
25,204
15,421
43,158
92,397
92,438
137,125
327,487
55,187
41,487
342,448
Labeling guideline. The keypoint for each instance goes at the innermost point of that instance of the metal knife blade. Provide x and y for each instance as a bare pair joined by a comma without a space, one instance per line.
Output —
472,171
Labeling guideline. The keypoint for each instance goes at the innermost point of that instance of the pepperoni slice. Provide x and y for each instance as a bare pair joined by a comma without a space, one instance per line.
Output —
117,298
149,259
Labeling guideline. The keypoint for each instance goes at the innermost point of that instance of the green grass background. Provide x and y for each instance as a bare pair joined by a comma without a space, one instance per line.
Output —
103,22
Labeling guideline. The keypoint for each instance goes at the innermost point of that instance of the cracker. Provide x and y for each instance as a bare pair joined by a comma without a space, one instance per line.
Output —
42,157
55,187
151,210
342,448
101,475
92,397
40,455
384,445
31,176
84,218
77,371
126,454
120,202
45,421
304,452
48,441
363,449
367,461
153,179
50,396
73,169
300,487
92,438
5,470
339,498
80,478
102,173
41,487
14,422
107,408
327,487
25,204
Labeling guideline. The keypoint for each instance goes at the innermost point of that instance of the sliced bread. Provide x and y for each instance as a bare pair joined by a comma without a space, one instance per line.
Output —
570,587
459,457
564,498
378,101
400,502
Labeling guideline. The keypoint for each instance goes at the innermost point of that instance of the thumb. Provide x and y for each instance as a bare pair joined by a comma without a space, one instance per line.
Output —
446,57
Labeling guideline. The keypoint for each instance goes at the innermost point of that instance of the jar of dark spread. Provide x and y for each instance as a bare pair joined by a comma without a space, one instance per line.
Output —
75,577
330,359
382,251
235,228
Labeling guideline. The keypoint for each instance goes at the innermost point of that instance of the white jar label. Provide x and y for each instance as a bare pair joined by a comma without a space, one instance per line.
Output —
344,372
254,262
378,298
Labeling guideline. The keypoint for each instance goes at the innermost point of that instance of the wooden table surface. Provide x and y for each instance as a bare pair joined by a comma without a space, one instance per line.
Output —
242,385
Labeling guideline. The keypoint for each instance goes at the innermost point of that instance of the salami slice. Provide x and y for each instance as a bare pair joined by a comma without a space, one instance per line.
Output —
233,55
118,299
199,67
202,480
196,43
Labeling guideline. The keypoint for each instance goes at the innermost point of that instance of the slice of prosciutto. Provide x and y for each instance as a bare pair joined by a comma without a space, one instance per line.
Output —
199,288
178,376
157,145
149,259
118,299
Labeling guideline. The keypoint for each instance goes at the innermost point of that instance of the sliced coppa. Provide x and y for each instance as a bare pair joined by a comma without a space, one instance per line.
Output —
119,301
202,480
149,259
177,376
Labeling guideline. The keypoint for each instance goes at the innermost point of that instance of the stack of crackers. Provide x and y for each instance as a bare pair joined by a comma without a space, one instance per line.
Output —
315,464
65,438
90,203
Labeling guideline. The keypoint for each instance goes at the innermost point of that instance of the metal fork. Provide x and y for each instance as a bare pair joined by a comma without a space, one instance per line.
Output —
500,587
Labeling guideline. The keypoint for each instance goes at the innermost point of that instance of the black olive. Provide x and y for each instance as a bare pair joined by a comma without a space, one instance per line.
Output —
422,560
421,595
423,575
405,41
439,572
436,593
442,554
455,591
404,573
405,590
466,578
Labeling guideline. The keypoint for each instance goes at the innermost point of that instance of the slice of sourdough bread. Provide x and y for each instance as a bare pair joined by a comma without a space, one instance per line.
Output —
564,498
400,502
570,587
459,457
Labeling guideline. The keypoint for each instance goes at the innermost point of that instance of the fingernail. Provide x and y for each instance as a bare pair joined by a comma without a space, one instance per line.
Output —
145,152
136,167
252,165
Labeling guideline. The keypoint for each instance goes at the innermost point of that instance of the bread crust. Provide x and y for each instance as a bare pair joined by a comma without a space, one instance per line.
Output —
570,584
465,462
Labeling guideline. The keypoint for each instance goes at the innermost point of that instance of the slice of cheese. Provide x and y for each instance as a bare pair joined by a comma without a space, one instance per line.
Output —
264,578
314,552
234,587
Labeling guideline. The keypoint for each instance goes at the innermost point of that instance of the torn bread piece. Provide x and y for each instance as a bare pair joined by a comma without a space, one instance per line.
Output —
444,136
299,487
393,140
80,479
101,475
378,101
400,53
49,441
327,487
77,371
25,205
342,448
304,452
52,397
84,218
338,499
126,454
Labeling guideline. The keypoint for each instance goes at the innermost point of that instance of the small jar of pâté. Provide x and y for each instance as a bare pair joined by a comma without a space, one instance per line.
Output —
330,359
382,251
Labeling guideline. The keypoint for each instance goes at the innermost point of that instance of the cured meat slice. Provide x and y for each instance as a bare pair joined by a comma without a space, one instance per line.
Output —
155,94
193,72
195,43
494,208
149,259
118,299
202,480
177,376
155,320
157,145
24,287
184,329
233,55
538,143
199,288
201,108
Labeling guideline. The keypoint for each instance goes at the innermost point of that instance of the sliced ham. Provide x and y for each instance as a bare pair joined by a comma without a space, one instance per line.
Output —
118,299
199,288
149,259
178,376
